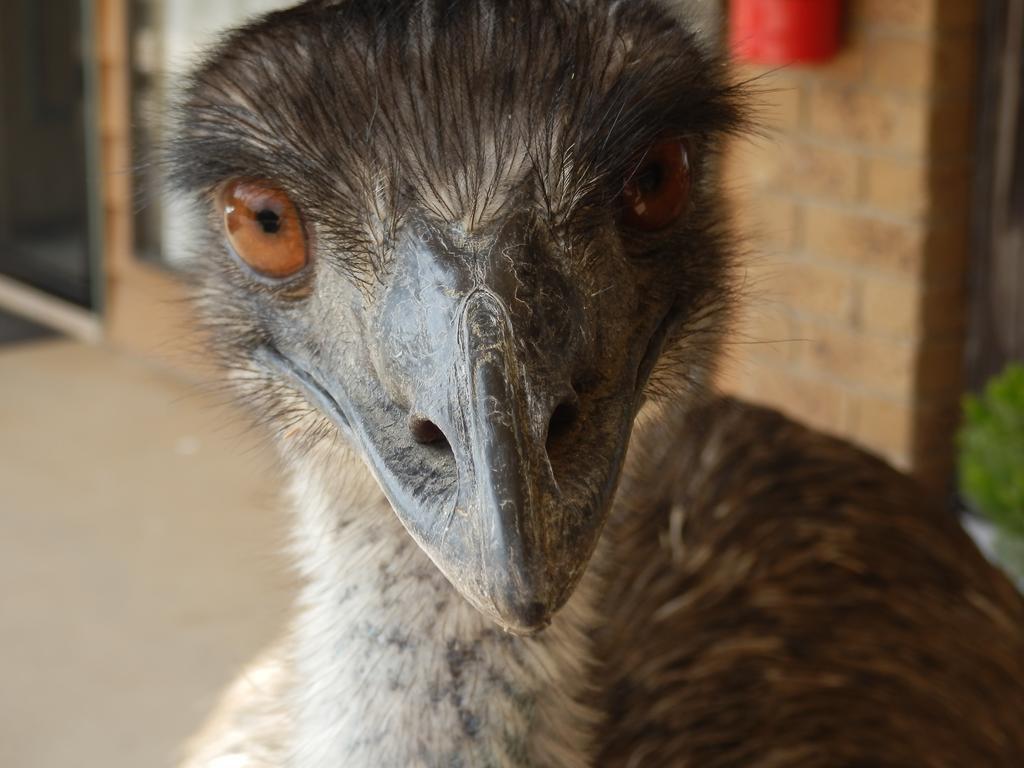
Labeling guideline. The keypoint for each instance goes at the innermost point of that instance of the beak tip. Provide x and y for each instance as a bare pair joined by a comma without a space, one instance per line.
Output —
525,619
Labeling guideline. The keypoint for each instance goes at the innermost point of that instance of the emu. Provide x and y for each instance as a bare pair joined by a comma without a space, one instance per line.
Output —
467,260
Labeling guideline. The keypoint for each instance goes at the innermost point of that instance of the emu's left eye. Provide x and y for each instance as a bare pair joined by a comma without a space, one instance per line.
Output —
659,189
264,228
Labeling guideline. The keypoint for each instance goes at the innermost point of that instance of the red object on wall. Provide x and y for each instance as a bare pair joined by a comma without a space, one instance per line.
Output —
785,31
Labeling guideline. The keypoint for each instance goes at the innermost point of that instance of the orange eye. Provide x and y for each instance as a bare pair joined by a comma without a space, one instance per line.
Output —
264,228
659,189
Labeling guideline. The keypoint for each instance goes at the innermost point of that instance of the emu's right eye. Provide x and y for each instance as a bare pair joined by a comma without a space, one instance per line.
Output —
658,191
264,228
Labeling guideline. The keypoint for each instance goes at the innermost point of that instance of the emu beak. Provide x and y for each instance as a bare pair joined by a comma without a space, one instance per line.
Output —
465,411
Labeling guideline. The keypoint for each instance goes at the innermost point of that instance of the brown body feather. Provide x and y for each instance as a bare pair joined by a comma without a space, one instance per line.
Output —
782,598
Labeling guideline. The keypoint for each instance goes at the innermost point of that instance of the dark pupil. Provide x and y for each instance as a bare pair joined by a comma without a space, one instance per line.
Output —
269,221
649,180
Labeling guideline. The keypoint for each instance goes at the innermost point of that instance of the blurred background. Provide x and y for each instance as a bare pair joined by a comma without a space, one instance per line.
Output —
140,537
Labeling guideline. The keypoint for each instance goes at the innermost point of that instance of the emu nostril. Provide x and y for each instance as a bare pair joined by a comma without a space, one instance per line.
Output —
427,432
562,421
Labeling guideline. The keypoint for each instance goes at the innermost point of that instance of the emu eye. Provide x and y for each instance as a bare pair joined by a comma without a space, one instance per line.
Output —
659,189
264,228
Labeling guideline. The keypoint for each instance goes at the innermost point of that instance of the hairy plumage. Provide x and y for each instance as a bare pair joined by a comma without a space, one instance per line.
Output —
804,605
761,595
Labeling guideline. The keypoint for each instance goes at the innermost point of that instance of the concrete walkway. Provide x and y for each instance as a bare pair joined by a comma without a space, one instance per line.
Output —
140,557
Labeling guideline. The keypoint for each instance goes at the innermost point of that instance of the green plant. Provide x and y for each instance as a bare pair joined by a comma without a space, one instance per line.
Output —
991,443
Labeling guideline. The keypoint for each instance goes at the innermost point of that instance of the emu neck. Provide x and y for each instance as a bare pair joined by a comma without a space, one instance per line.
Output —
393,667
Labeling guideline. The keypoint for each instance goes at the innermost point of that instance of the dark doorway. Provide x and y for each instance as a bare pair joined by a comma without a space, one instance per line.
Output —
44,206
996,331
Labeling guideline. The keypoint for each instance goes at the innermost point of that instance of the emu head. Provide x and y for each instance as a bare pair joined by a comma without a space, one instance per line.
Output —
467,239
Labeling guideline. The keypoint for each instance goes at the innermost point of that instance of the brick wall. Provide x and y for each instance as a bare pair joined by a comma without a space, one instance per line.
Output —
855,204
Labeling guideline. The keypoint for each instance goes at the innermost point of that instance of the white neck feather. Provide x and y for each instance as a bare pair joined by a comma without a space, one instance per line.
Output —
394,668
